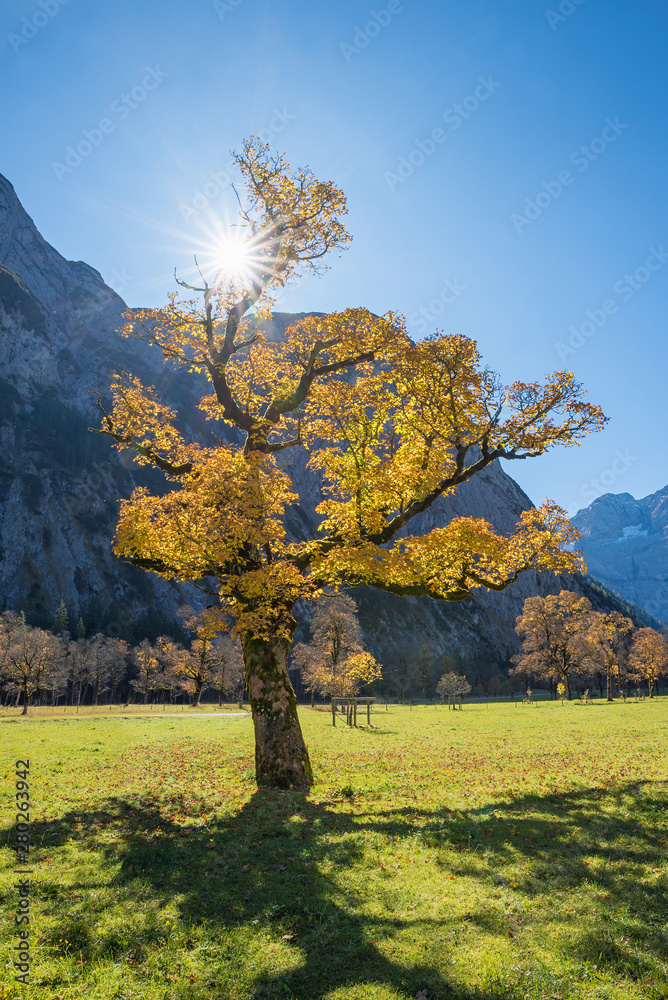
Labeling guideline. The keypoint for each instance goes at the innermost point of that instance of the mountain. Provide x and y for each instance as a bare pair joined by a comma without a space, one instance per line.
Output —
60,484
625,543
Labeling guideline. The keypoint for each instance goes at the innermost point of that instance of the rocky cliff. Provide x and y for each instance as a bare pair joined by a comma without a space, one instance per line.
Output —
60,484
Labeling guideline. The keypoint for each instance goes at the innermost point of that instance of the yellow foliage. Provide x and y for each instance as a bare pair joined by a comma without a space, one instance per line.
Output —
648,658
390,425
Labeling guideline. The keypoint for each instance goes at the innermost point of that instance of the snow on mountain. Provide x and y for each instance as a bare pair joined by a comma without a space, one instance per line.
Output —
625,543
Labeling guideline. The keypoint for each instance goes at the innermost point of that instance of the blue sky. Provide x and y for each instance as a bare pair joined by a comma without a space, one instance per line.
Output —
534,218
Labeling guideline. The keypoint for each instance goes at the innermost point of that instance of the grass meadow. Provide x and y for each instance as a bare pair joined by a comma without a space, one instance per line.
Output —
504,851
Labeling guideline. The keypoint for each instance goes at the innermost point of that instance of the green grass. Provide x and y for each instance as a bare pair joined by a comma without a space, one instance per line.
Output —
507,851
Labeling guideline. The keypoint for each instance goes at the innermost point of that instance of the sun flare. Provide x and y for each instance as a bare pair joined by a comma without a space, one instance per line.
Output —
233,259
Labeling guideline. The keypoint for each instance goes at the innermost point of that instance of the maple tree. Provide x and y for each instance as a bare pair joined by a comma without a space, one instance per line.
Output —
227,670
90,663
648,657
453,686
389,425
209,660
555,637
28,656
606,636
335,662
150,673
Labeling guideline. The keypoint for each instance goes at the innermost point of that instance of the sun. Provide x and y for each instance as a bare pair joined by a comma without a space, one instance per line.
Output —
233,259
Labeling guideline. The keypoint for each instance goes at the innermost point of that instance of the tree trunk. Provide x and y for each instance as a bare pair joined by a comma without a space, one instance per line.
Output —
609,684
25,700
198,692
281,757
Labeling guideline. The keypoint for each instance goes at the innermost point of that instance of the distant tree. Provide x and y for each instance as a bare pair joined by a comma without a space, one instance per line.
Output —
28,656
79,663
554,638
117,665
648,658
176,664
61,621
80,629
207,655
452,686
402,672
106,661
605,636
497,685
149,669
226,667
334,662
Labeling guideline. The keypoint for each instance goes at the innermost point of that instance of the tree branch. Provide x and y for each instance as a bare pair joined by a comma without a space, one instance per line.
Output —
162,463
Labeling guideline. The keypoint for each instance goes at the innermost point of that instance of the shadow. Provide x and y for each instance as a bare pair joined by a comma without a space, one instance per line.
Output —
274,866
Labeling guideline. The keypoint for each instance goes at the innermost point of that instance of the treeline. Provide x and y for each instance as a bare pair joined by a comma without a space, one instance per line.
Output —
569,645
109,618
50,667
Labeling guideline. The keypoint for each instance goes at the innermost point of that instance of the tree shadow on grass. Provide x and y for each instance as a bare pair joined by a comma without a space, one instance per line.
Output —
281,864
579,842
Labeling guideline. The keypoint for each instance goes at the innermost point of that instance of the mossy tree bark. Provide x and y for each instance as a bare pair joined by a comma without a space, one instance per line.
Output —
199,685
281,757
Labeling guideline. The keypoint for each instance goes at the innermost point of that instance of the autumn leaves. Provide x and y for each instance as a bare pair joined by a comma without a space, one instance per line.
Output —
564,640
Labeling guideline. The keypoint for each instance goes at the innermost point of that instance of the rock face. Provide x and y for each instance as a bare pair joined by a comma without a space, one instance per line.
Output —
60,484
625,543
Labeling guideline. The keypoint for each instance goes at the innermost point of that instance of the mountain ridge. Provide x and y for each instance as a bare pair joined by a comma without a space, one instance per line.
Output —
625,543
